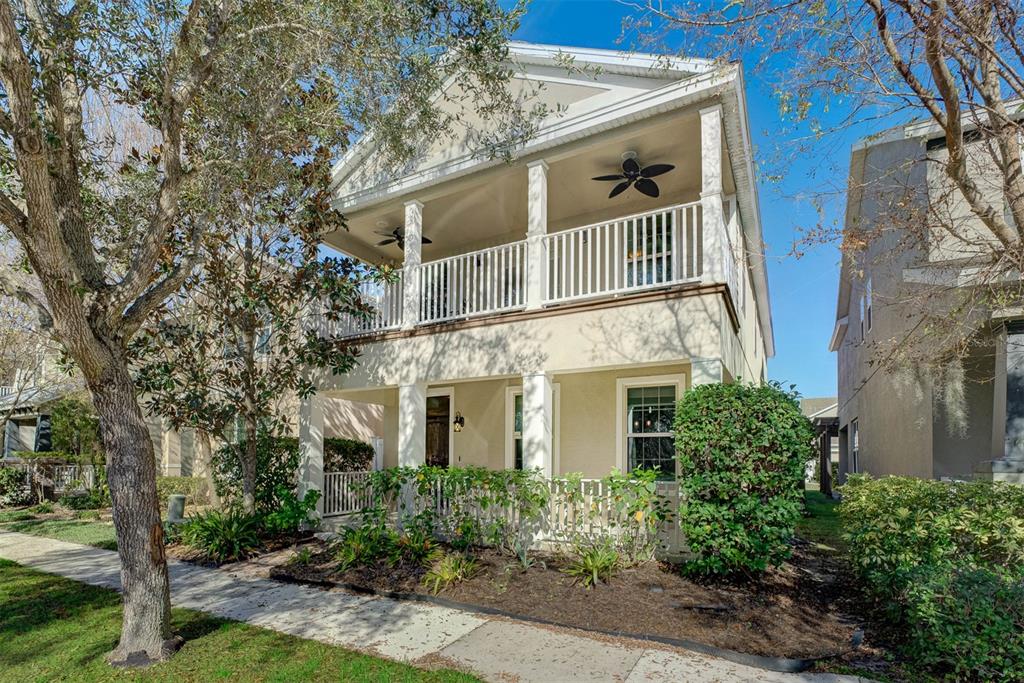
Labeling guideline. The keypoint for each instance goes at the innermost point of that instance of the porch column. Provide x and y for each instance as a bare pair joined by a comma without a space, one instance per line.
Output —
413,256
537,228
537,428
412,425
311,448
711,199
1007,462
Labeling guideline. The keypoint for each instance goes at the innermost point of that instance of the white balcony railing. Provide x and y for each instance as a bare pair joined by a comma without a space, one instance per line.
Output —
630,254
637,252
478,283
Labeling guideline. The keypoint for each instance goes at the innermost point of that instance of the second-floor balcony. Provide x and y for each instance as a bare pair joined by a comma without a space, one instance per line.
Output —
664,248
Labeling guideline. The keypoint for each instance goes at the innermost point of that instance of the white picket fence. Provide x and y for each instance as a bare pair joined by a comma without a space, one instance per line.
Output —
61,478
588,510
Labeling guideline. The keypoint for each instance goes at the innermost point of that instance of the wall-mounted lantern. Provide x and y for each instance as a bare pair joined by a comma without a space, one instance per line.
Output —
459,422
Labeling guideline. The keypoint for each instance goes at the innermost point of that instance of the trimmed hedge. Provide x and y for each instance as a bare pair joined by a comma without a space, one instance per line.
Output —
347,455
194,489
741,452
945,563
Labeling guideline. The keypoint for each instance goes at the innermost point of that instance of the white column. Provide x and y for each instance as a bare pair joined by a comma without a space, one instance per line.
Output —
537,228
311,448
412,425
537,427
413,255
712,207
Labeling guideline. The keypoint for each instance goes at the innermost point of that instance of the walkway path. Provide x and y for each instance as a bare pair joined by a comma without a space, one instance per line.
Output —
495,649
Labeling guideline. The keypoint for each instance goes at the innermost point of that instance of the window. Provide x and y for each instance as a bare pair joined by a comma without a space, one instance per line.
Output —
867,298
854,446
862,317
514,427
517,430
650,411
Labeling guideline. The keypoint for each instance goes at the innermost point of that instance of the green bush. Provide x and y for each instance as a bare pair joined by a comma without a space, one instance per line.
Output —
277,461
347,455
945,563
448,570
363,545
741,452
292,514
93,499
62,456
221,536
194,489
13,490
75,430
593,562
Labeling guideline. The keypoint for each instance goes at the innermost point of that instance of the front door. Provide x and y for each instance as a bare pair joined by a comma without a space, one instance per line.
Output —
439,419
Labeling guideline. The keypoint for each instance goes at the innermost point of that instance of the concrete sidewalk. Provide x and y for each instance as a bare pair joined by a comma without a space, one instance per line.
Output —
495,649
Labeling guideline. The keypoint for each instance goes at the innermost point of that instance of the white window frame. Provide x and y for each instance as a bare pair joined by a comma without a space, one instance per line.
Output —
854,446
867,300
450,393
510,422
621,385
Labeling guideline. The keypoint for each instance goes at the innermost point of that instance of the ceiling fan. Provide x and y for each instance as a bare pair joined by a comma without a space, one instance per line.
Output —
633,174
397,236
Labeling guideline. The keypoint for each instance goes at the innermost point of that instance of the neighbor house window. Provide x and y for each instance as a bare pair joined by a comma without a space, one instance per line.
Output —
867,302
854,446
650,411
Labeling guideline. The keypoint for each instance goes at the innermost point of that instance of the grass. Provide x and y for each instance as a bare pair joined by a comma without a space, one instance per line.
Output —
56,629
86,532
821,524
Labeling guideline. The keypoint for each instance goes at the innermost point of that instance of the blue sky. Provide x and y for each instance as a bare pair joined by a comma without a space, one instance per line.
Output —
803,290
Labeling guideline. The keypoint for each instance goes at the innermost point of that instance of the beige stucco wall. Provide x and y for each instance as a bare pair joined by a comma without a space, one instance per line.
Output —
667,330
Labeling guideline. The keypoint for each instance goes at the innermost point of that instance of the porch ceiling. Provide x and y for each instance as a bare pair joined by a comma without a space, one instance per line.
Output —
490,207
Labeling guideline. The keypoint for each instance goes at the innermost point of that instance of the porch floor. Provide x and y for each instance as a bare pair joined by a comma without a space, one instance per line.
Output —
495,649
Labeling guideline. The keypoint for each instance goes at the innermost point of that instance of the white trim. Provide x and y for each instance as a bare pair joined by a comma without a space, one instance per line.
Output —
623,383
556,436
448,391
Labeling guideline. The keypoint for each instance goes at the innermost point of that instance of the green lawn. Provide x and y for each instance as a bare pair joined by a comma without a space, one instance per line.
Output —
55,629
86,532
822,524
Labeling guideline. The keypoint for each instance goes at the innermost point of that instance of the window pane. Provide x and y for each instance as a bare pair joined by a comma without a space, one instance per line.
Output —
519,454
657,452
517,411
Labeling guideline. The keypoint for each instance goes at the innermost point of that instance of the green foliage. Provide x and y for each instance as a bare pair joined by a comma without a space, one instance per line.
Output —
741,452
302,557
277,460
62,456
43,508
75,430
363,545
347,455
222,536
94,499
944,562
593,562
194,489
13,490
449,570
293,513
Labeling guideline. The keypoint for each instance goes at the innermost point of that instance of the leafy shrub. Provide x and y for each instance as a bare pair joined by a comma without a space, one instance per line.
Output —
75,430
13,490
43,508
277,461
194,489
93,499
301,558
292,514
741,452
222,536
965,624
593,562
347,455
363,545
61,457
449,570
945,561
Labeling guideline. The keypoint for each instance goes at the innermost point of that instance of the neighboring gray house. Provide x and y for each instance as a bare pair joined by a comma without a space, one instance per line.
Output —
904,422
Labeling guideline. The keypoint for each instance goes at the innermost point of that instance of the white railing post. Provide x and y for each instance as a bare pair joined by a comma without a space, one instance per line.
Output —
537,228
411,267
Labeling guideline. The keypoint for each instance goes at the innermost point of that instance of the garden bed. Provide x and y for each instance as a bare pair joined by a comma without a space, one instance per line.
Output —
785,614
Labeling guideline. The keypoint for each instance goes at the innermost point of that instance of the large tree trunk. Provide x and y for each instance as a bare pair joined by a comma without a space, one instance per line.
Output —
146,629
249,465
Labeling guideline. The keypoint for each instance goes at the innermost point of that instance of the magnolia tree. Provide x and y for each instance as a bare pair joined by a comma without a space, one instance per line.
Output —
954,65
127,133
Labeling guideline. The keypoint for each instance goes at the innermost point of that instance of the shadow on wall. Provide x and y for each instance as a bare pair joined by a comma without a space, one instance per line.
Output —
352,419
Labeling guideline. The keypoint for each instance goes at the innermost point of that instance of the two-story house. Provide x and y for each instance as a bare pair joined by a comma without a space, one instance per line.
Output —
918,248
548,313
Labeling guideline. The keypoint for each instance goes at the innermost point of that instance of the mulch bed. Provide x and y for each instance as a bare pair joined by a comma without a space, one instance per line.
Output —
790,612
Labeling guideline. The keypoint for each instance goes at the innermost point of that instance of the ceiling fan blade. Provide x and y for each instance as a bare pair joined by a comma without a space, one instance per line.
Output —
617,176
386,242
648,187
384,233
656,169
426,240
630,166
620,188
